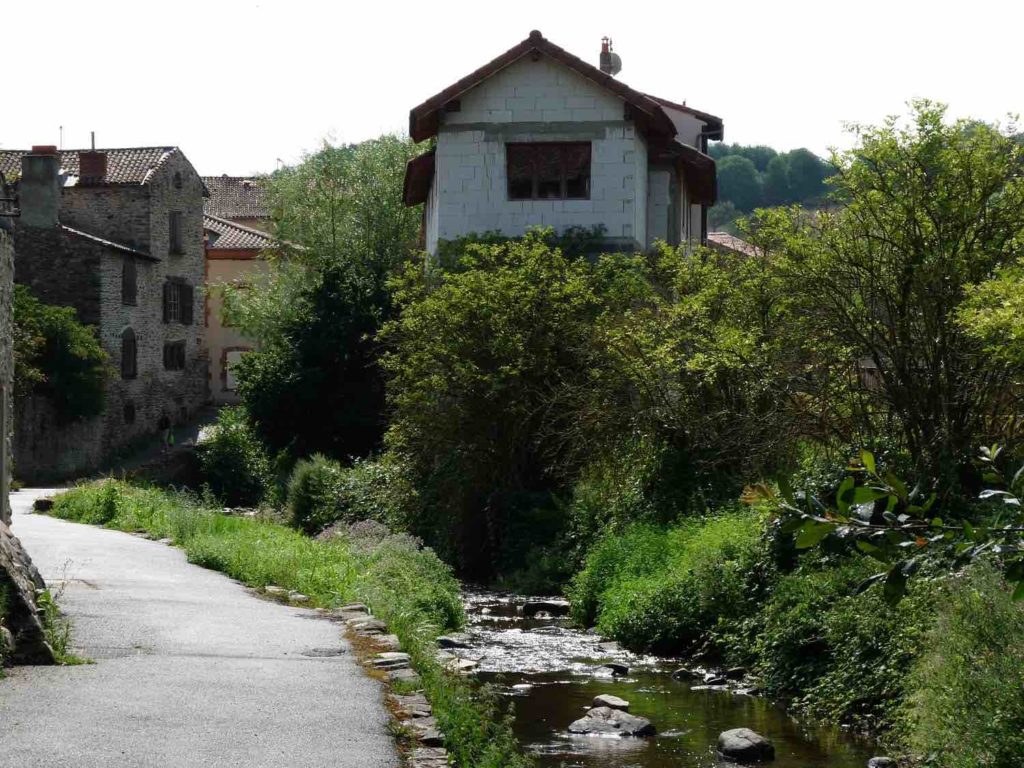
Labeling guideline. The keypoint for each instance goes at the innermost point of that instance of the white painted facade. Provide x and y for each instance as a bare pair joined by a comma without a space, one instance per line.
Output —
531,101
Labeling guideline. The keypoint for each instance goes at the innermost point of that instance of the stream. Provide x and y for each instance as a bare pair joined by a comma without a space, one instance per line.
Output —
553,671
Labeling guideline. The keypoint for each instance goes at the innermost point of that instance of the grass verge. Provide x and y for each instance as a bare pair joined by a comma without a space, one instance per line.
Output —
406,586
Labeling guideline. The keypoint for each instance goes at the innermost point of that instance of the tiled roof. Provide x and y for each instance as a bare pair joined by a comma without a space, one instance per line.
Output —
235,197
109,243
726,242
132,165
231,236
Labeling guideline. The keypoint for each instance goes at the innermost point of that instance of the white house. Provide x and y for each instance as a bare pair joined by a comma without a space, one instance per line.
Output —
540,137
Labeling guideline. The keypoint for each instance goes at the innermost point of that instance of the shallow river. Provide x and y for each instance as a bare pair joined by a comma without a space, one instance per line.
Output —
562,667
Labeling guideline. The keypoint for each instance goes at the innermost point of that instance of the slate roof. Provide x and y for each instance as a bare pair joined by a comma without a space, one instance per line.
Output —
232,236
235,197
130,165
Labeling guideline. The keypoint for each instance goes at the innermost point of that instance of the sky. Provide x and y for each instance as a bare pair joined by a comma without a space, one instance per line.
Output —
242,86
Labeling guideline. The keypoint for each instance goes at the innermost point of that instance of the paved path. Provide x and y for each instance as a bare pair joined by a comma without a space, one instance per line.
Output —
191,668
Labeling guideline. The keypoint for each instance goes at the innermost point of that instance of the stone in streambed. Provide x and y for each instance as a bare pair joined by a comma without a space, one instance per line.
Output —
881,762
604,721
612,702
745,746
458,640
618,670
554,607
685,674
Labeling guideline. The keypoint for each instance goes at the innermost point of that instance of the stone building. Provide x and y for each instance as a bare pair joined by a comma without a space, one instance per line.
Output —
540,137
118,235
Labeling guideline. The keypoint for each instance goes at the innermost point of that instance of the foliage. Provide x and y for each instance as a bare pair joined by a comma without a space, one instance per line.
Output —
965,706
407,587
57,357
56,627
835,654
234,462
740,182
314,493
316,312
673,591
379,489
993,313
929,208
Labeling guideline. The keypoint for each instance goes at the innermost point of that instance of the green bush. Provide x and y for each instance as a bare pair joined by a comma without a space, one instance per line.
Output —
836,654
235,464
675,590
965,702
58,357
314,493
377,490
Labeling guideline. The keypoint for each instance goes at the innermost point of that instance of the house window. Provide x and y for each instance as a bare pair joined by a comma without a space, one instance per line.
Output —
129,369
178,301
129,412
177,180
230,359
129,282
174,233
548,171
174,355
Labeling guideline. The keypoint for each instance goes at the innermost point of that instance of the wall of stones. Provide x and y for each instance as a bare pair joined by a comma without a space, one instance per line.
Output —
6,369
119,213
537,101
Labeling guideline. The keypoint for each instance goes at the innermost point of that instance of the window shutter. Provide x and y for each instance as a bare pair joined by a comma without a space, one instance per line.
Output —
186,300
168,287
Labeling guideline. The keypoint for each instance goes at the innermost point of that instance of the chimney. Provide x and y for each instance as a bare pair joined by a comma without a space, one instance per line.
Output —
39,187
606,55
92,167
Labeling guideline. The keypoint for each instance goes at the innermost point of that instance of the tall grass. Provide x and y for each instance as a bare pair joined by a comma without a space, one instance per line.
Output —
408,587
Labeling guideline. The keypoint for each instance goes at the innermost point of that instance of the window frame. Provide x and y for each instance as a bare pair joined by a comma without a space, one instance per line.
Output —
175,233
563,179
129,354
129,282
173,359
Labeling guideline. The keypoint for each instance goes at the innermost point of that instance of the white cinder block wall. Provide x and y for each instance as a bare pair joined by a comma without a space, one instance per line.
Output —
536,101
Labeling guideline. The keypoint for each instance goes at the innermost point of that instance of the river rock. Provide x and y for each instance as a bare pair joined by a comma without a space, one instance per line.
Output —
714,679
354,608
736,673
297,597
604,721
881,762
415,705
612,702
745,746
275,591
555,607
368,626
388,642
458,640
618,670
390,660
685,674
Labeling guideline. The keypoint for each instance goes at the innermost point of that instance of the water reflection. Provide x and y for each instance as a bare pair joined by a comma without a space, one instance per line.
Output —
554,671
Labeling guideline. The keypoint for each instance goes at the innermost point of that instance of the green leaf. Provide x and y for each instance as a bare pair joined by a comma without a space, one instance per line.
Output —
895,585
812,533
897,485
866,494
845,488
868,460
1018,593
867,548
786,489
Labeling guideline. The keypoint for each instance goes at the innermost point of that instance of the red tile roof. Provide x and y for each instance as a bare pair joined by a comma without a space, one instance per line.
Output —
131,165
723,241
236,197
232,236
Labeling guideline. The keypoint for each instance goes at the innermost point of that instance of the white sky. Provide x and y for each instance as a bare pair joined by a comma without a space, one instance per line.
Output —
238,84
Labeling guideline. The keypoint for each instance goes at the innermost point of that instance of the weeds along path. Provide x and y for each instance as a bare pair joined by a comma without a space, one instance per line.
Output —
191,669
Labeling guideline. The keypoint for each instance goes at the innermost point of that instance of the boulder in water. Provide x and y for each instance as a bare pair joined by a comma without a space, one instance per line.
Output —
745,746
605,721
612,702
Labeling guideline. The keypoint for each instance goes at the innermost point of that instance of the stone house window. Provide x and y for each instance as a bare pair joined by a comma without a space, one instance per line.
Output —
129,354
174,355
179,300
129,412
129,282
177,180
174,229
548,170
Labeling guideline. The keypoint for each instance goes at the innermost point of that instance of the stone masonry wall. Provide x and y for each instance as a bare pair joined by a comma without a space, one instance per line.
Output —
536,101
6,368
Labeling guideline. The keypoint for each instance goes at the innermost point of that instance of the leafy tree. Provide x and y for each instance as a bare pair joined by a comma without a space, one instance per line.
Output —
776,182
315,385
807,175
739,182
57,357
722,217
930,209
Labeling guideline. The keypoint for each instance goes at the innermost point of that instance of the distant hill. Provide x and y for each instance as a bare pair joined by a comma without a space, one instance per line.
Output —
752,177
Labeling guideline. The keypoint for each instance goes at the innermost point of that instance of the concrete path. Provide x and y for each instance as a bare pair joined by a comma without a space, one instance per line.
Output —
191,668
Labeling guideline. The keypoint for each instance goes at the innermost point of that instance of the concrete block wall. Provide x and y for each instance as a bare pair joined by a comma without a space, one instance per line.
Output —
536,101
659,203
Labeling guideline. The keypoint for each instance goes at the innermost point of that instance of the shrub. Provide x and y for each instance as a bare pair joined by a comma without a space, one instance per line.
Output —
675,590
836,654
235,464
377,490
314,493
965,702
58,357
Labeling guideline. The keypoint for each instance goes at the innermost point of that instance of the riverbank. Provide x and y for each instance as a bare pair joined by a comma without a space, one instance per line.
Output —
403,584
